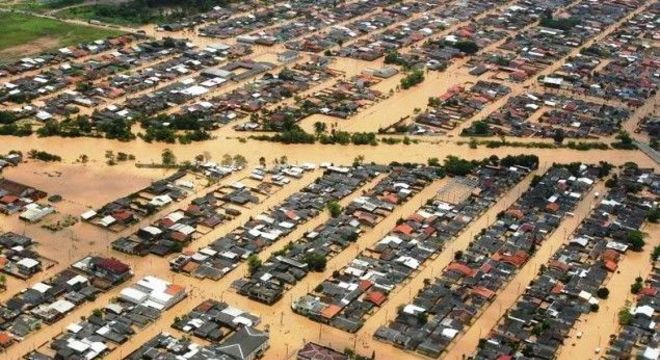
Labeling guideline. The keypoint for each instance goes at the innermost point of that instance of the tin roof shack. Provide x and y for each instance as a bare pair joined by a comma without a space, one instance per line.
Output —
447,305
310,253
567,286
109,271
350,296
213,321
225,253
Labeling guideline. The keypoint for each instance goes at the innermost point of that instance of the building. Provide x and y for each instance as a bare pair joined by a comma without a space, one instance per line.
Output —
247,343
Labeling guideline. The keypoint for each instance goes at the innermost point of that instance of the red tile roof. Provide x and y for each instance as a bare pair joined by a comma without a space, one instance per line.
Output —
376,297
113,265
461,268
330,311
404,229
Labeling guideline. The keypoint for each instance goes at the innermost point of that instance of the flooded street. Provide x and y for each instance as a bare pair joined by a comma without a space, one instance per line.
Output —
590,337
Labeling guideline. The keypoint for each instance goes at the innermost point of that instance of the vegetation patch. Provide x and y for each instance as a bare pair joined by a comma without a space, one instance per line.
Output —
21,30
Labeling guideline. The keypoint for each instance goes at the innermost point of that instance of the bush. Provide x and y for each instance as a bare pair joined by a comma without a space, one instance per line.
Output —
603,293
625,318
315,262
457,167
635,240
413,78
43,156
334,208
254,263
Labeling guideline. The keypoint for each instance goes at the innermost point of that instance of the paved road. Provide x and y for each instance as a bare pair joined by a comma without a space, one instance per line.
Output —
646,149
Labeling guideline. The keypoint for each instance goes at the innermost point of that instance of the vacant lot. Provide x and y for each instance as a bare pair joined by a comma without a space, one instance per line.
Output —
24,35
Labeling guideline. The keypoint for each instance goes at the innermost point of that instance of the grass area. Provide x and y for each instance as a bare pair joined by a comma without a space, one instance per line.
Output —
100,13
24,30
139,12
42,6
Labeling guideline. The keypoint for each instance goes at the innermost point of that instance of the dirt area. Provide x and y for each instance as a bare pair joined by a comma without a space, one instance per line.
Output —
31,48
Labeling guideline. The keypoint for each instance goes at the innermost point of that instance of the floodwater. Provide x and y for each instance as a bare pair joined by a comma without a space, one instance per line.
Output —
594,329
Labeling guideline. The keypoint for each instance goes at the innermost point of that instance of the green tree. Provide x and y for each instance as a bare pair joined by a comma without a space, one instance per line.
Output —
240,160
635,240
603,293
168,157
315,262
319,127
334,208
457,167
254,263
624,316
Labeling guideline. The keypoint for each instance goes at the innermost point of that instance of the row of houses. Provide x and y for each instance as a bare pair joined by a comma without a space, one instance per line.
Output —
65,75
247,343
544,114
10,159
345,98
638,335
66,54
285,268
447,305
183,91
567,286
227,252
103,330
22,199
264,17
356,291
532,50
48,301
622,66
399,36
180,60
121,213
323,16
375,21
19,258
171,233
485,28
456,105
229,106
214,320
215,14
